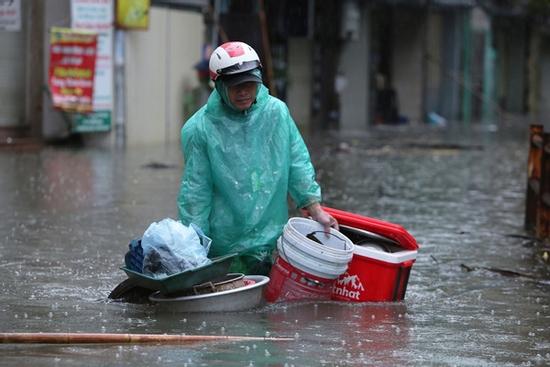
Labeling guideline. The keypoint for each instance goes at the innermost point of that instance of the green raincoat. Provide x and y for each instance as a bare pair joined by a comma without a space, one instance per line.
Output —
239,169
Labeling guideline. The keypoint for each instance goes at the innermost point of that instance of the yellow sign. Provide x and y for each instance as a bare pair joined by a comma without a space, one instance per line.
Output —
132,14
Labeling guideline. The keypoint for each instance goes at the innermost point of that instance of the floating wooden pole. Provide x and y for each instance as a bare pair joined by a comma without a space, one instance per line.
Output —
533,176
102,338
543,212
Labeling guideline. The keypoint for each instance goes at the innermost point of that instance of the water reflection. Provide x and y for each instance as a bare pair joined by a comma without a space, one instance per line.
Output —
68,216
372,332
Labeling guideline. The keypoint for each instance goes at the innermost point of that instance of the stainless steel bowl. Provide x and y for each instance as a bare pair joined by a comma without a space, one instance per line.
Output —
237,299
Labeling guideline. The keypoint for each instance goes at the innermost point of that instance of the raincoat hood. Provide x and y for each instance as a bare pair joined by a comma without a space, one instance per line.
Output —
223,90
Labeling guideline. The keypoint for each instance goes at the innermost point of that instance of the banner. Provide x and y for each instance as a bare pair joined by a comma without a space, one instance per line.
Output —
10,15
97,16
72,69
132,14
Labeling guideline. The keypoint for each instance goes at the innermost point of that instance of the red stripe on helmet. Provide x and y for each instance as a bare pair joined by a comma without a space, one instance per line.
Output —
233,49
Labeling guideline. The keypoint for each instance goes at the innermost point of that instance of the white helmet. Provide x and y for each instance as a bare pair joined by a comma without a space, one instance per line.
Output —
233,58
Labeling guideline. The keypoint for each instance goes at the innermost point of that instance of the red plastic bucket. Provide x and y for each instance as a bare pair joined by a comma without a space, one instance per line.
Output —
290,283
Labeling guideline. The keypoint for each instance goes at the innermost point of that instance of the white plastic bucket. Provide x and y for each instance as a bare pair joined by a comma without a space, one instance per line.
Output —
310,264
328,259
311,248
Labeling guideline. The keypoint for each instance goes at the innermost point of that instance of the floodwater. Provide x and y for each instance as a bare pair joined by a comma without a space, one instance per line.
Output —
68,214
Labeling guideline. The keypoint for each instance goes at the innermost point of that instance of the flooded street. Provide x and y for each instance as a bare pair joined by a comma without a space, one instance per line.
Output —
69,213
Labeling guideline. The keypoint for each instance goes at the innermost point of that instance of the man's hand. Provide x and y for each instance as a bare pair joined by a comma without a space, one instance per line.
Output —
318,214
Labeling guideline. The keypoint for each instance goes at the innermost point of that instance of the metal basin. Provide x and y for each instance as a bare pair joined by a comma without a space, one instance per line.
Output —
237,299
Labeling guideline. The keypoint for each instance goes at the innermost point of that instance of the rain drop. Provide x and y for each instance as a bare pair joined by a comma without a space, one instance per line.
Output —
184,320
50,314
266,353
267,334
254,346
247,349
296,336
359,343
373,317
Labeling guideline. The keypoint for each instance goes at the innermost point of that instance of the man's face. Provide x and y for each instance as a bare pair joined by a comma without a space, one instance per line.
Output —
243,95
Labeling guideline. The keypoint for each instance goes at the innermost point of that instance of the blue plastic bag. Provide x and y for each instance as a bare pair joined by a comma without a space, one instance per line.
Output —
134,257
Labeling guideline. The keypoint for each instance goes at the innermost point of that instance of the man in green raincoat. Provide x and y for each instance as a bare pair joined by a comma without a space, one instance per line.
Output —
243,156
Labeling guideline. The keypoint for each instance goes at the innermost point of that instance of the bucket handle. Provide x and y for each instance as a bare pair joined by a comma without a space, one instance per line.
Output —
312,237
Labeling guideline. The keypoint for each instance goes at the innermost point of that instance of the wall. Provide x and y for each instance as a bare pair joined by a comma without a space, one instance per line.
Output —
354,67
299,81
407,62
516,78
55,124
543,113
434,64
450,60
159,67
12,73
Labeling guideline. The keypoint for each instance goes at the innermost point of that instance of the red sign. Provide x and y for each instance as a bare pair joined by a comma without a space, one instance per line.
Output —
72,68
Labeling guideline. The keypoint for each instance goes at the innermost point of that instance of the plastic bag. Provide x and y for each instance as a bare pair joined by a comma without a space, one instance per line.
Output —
169,247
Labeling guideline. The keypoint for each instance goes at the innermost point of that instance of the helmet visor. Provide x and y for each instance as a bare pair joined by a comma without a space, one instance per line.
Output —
236,79
239,68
